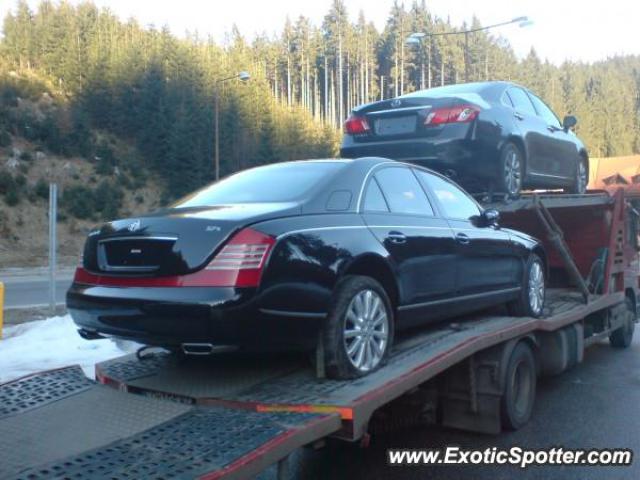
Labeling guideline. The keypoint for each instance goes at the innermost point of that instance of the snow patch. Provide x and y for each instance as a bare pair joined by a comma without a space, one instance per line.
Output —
52,343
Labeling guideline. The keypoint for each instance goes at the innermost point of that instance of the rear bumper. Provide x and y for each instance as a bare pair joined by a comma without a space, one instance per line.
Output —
171,316
455,151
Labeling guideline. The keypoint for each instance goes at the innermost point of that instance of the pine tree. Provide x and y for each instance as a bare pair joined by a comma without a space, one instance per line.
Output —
155,90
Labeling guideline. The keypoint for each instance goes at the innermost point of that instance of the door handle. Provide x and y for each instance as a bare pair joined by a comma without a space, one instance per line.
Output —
519,116
396,237
462,238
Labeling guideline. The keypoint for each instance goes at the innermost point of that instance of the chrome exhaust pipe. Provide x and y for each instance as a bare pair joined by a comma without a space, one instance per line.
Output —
90,334
205,348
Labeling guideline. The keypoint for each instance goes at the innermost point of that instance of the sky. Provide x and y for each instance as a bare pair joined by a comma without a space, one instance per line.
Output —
562,30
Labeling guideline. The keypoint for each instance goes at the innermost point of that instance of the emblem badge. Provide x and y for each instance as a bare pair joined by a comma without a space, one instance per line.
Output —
396,102
134,226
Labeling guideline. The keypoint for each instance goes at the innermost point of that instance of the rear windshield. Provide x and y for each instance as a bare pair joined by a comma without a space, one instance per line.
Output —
467,92
449,90
282,182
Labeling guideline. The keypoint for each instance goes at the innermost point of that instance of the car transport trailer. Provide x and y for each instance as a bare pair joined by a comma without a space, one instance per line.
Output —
157,415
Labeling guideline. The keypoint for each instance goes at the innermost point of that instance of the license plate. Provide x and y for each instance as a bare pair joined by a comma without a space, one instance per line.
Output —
396,125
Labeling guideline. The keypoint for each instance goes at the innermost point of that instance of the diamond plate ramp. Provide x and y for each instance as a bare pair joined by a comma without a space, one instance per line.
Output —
212,442
69,414
35,390
59,425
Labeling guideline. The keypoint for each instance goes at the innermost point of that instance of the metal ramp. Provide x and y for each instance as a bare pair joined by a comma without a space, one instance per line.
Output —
60,425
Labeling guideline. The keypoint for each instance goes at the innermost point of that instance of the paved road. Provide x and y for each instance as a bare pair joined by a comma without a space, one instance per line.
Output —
596,405
32,288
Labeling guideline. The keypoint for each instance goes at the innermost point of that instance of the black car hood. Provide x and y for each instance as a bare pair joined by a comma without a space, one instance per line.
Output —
172,241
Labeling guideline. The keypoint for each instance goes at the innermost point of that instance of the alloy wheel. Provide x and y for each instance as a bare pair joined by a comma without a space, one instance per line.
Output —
512,173
366,330
536,288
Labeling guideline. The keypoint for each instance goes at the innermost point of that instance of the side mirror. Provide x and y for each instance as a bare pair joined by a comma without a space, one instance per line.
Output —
489,217
569,122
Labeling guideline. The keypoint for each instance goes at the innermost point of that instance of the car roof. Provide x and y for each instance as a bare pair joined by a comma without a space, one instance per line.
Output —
471,87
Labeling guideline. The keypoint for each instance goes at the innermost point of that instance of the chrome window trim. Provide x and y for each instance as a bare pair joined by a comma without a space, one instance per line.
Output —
356,227
366,179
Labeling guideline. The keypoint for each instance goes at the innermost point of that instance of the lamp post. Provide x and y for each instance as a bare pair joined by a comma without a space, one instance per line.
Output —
417,37
242,76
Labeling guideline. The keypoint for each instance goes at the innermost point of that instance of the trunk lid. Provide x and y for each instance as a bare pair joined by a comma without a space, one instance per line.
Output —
172,241
399,118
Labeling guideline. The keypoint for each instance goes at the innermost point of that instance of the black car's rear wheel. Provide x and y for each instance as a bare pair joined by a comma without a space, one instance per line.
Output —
359,330
581,178
511,170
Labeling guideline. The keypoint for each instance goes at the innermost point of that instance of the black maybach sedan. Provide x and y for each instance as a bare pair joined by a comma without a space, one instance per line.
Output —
343,252
489,136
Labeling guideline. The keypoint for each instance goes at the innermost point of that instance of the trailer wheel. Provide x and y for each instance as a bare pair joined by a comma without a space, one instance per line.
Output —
358,333
622,337
530,302
520,388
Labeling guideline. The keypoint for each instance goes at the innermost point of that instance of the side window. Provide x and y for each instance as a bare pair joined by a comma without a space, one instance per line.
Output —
545,112
521,101
373,199
454,202
403,192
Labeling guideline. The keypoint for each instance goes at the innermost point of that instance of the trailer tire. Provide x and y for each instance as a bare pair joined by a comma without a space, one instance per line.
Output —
349,294
525,305
623,336
519,387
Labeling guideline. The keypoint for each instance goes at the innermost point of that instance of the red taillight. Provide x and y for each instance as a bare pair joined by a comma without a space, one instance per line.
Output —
239,264
458,114
355,125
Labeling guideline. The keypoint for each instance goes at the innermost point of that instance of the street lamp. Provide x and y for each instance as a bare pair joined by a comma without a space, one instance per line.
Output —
416,37
242,76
